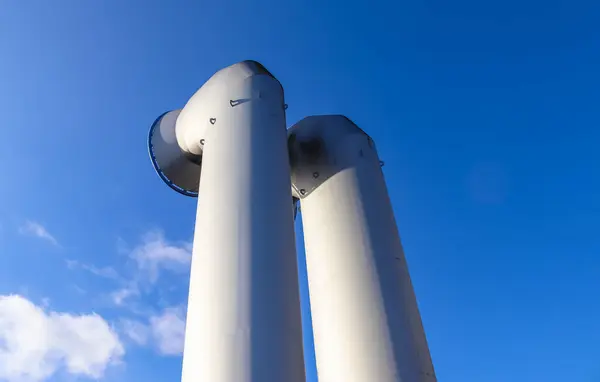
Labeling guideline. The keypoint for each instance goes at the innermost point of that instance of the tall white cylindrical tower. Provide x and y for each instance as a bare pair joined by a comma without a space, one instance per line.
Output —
366,321
243,319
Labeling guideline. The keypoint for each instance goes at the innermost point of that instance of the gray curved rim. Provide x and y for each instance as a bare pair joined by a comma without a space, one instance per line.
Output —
160,173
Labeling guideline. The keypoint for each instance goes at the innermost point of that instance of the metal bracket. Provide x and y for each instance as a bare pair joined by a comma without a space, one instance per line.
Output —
237,102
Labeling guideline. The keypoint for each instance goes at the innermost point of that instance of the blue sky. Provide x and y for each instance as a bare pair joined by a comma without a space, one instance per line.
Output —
485,113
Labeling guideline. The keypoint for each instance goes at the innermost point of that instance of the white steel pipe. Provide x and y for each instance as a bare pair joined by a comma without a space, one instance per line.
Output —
243,318
365,317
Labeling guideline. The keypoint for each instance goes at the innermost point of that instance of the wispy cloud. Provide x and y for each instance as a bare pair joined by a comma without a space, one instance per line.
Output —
168,330
151,257
36,344
155,253
120,295
106,272
136,331
33,228
143,289
79,289
164,331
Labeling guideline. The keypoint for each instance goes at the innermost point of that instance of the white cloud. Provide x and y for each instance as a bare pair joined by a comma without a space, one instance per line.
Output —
37,230
155,253
168,330
35,344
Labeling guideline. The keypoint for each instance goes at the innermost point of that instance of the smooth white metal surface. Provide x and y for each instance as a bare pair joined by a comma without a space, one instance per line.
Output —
243,320
367,326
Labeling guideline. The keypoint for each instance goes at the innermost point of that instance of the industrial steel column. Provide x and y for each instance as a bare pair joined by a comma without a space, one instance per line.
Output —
243,320
366,321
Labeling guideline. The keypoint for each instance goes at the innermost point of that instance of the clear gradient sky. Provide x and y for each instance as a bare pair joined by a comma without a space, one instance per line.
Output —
486,114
